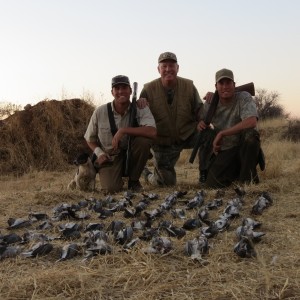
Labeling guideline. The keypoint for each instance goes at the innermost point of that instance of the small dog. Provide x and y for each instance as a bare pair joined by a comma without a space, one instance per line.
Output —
85,177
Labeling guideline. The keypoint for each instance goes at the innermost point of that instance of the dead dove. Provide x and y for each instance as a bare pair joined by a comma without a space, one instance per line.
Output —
36,216
178,213
210,231
142,205
191,224
124,235
105,213
231,211
92,236
160,245
131,244
197,247
203,215
39,249
140,224
149,233
236,202
115,226
240,191
248,233
172,230
222,224
120,205
260,204
250,222
180,194
155,213
18,223
268,197
8,251
169,202
44,225
129,212
214,204
96,206
31,236
94,226
197,201
99,247
151,196
70,230
69,251
10,238
244,248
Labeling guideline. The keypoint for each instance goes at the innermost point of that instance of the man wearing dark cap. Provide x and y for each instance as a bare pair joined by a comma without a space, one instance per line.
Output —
231,145
107,136
174,102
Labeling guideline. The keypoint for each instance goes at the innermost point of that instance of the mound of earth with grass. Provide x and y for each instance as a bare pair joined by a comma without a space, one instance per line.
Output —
46,136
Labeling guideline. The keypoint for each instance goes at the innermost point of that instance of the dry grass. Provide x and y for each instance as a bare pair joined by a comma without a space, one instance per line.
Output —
274,274
45,136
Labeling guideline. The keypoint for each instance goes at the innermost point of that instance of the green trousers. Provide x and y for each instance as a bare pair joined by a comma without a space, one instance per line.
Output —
165,159
235,164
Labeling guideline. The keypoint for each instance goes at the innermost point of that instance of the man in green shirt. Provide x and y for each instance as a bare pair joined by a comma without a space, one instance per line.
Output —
231,144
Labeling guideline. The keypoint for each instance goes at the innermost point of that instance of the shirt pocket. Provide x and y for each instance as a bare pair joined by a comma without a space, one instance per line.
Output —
105,136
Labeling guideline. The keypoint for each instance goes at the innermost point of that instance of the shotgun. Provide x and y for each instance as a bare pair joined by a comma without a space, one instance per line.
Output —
248,87
132,123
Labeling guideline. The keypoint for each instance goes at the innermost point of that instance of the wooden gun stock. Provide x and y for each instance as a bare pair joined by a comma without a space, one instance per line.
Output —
248,87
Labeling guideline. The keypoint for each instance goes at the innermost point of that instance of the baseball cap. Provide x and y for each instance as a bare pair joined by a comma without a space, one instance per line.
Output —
224,73
120,79
167,55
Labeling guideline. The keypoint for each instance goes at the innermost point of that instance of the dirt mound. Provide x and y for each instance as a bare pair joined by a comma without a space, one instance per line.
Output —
46,136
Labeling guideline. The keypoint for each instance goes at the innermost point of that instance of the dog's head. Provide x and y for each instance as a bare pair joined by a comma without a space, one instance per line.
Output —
81,159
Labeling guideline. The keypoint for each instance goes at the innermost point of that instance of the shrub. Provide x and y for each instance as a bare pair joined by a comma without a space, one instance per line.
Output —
293,131
268,106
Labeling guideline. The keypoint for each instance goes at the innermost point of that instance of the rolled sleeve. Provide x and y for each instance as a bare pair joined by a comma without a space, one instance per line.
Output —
248,106
91,134
145,117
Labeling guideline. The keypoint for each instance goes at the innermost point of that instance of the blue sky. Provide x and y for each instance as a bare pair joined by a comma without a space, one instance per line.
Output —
72,48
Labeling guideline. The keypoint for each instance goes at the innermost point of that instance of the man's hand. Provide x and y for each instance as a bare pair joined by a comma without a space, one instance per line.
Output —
201,126
208,97
142,103
217,143
117,138
102,159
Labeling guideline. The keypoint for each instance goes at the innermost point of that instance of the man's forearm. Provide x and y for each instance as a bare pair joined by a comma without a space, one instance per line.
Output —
95,148
145,131
245,124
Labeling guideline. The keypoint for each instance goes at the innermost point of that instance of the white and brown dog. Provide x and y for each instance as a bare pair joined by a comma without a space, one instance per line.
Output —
85,177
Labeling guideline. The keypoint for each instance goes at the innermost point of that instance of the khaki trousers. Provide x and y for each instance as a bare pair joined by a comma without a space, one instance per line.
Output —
111,174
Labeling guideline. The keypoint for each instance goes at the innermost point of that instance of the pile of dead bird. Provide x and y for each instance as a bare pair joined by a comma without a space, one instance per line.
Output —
152,229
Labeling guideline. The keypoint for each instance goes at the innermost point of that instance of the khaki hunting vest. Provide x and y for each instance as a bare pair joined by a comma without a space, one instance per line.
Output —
175,122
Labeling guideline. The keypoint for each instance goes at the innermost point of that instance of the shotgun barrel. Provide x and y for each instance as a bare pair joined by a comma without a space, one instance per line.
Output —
132,122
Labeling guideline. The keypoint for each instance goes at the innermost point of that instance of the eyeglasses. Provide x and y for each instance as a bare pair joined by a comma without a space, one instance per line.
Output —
170,95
